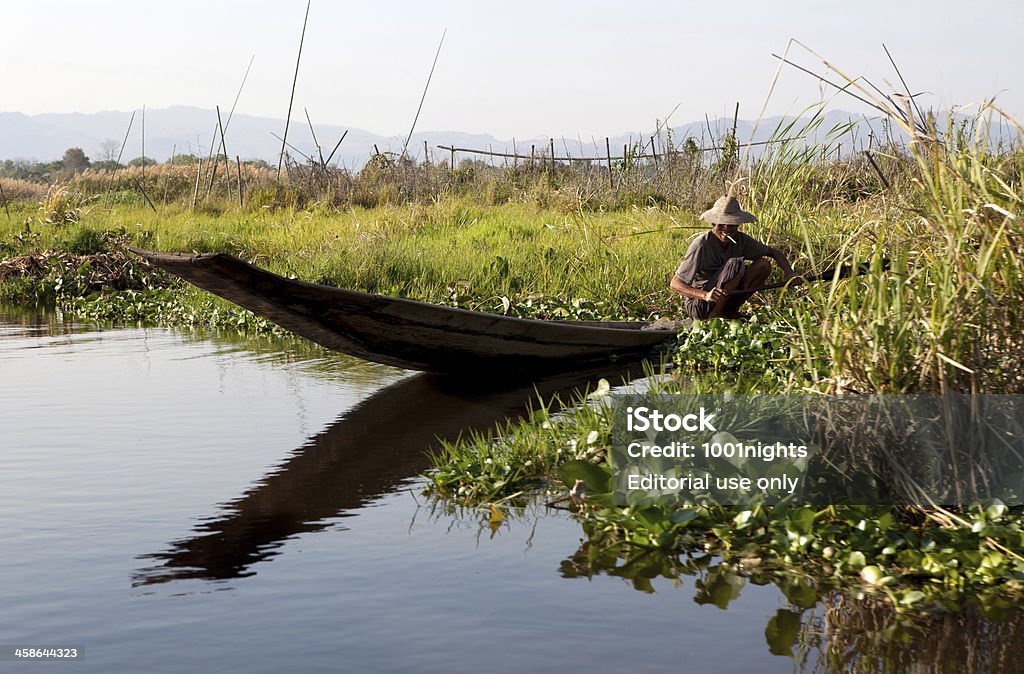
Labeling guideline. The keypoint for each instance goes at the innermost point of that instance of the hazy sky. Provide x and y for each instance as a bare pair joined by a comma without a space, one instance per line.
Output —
525,68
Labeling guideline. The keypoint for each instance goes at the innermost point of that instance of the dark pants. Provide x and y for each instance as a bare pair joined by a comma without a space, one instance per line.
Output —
701,309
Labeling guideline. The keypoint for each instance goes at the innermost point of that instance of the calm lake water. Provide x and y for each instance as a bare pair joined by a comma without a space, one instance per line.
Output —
175,502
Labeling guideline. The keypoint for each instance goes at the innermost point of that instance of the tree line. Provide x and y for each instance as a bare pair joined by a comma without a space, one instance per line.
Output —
75,161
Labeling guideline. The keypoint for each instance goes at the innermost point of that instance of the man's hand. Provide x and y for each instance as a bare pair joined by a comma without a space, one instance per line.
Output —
794,279
715,294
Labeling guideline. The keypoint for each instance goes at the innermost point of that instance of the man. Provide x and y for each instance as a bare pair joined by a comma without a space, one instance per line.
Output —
713,270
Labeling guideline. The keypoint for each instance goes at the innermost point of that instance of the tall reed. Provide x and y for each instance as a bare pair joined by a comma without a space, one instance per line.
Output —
947,316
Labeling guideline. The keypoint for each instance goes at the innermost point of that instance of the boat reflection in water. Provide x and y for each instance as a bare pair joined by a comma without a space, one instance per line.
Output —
372,450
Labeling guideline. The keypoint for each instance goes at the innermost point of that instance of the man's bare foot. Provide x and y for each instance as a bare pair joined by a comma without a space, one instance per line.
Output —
736,316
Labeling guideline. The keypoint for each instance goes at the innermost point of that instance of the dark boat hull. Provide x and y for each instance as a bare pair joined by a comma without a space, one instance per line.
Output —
409,334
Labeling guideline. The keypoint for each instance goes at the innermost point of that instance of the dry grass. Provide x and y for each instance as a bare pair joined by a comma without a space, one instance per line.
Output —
21,190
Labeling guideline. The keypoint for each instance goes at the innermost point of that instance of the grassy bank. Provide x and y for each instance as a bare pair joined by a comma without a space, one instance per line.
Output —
544,262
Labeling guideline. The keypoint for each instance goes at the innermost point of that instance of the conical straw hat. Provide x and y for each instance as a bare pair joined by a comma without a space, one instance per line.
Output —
727,211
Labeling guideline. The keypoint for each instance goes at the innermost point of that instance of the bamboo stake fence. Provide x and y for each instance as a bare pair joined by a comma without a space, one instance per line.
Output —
626,156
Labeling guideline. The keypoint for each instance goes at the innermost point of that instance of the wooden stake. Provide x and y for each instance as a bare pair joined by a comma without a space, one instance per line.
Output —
291,100
426,152
552,155
144,147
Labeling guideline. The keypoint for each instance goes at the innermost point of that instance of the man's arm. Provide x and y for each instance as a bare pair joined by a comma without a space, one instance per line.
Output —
687,290
780,259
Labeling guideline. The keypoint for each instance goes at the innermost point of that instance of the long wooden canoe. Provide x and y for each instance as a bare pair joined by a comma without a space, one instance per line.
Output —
409,334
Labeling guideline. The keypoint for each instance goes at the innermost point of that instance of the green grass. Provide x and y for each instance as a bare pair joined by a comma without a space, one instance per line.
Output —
439,252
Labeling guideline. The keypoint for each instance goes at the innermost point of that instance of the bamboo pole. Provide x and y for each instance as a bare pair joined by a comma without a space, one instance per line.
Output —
238,95
331,156
117,163
142,188
211,165
735,120
297,150
213,176
881,175
323,164
213,146
291,99
224,149
199,174
170,163
608,150
238,164
227,124
4,199
405,146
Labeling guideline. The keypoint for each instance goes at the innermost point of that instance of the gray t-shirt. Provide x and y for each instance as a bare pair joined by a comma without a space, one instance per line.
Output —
705,257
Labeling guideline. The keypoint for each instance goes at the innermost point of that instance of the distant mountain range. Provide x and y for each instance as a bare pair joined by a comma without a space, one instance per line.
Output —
190,130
